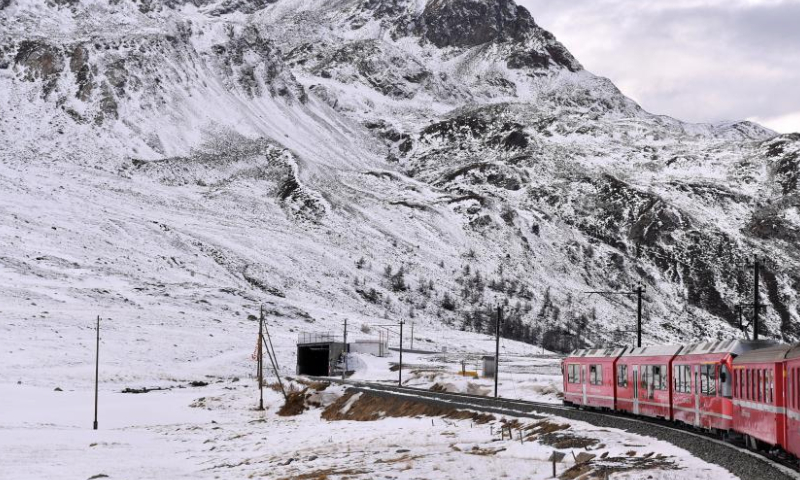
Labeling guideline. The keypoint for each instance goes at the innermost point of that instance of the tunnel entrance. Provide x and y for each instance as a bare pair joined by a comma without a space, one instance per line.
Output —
313,360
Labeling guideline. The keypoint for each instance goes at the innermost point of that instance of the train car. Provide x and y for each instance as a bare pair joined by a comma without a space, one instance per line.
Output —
643,380
702,383
759,409
589,377
791,389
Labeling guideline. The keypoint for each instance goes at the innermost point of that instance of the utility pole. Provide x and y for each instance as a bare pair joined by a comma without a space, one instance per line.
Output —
344,368
497,348
261,360
639,290
273,358
756,306
412,336
96,371
400,367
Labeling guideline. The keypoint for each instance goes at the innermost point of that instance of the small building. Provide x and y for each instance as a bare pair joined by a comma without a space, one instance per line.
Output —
377,347
488,366
318,354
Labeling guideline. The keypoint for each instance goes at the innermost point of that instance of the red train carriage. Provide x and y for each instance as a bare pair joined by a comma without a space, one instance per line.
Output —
702,383
792,400
643,380
589,377
759,410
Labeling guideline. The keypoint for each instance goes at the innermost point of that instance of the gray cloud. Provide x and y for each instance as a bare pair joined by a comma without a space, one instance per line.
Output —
697,60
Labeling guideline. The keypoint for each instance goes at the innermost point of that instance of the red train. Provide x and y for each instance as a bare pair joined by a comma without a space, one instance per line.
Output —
731,387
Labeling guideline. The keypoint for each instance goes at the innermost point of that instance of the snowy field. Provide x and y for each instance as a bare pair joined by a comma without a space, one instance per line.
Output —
215,431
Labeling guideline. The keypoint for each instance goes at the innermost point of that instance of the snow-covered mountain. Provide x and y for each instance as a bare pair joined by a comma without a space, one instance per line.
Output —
172,164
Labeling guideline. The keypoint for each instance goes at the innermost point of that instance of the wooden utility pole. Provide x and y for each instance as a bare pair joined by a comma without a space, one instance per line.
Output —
400,367
497,348
261,361
96,371
756,305
271,353
639,290
344,351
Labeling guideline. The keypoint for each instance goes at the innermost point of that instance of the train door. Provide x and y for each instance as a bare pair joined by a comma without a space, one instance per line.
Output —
636,389
696,391
583,382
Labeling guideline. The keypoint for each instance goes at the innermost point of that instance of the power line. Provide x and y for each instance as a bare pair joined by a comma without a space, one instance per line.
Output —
638,291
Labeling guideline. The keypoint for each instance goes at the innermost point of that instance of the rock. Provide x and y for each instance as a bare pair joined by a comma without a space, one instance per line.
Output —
58,389
584,457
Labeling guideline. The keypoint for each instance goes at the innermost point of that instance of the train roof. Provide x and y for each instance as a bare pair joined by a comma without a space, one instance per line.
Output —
733,346
608,352
774,353
653,351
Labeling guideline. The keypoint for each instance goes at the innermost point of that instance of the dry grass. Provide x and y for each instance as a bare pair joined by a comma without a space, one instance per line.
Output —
295,404
561,440
485,451
604,468
315,385
325,473
368,407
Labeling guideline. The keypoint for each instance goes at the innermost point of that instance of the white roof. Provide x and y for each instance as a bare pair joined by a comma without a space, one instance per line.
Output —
733,346
610,352
653,350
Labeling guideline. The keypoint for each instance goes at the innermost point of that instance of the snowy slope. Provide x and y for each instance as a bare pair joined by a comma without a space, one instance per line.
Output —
172,165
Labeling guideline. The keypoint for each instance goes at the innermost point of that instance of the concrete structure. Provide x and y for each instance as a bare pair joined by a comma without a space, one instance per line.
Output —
319,354
488,366
379,348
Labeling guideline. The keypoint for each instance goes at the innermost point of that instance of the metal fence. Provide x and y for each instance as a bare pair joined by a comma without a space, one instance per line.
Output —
318,338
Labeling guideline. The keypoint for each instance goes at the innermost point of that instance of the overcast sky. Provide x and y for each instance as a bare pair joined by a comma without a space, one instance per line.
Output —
696,60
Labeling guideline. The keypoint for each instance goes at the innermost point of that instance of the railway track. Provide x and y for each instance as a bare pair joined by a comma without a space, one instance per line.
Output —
743,463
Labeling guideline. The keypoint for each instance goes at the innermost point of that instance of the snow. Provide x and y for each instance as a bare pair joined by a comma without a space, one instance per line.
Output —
215,432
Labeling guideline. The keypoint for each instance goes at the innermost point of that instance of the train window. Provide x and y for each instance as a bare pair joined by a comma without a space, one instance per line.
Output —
771,387
664,384
725,382
657,377
739,383
746,395
708,380
647,372
682,375
596,374
622,375
759,384
572,373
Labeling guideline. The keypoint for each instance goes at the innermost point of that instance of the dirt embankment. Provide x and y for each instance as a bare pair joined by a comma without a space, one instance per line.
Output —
366,407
